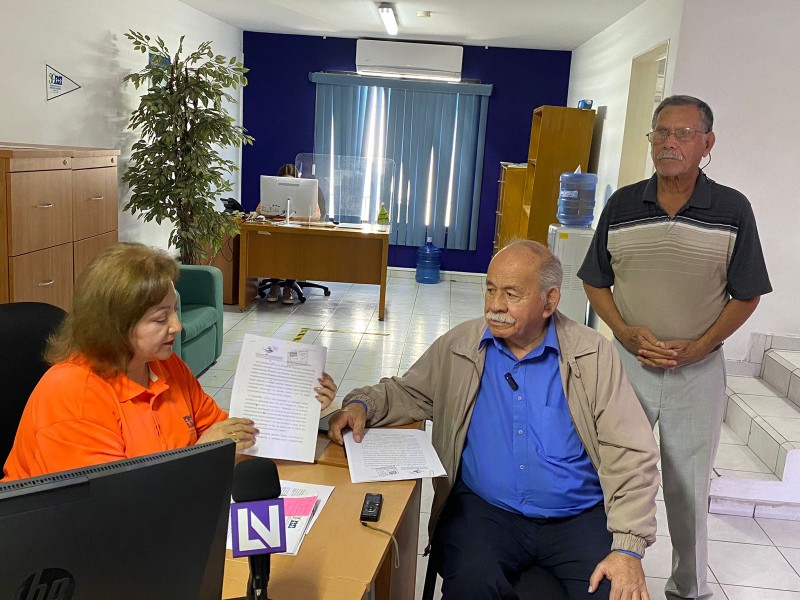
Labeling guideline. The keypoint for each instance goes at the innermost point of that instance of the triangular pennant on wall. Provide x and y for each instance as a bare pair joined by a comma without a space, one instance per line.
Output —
58,84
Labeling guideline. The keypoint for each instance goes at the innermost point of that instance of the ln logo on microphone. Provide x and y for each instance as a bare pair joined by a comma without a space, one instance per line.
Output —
258,527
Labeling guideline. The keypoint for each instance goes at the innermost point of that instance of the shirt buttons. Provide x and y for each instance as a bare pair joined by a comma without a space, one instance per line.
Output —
522,467
519,398
520,432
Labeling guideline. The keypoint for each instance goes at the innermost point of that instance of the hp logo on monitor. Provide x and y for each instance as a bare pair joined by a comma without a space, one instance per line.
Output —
47,584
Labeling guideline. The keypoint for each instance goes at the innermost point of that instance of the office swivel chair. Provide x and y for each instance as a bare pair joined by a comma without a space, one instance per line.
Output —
25,327
265,284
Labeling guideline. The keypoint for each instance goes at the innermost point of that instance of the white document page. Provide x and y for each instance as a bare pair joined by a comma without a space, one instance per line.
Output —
391,455
274,386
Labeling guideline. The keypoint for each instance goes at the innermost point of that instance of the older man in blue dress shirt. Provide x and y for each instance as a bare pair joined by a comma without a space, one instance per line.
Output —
550,459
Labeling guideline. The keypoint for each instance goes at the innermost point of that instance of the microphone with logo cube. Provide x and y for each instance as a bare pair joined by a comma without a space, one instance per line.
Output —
258,522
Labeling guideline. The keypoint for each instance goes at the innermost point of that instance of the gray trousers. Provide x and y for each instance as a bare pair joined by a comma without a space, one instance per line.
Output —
689,404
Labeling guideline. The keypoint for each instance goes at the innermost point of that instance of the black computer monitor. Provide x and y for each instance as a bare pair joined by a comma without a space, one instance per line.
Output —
150,527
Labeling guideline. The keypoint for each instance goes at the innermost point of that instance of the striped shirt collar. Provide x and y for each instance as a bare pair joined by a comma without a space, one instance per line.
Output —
700,198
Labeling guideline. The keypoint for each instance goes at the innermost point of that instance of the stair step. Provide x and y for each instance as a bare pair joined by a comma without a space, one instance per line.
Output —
781,370
765,413
769,425
756,498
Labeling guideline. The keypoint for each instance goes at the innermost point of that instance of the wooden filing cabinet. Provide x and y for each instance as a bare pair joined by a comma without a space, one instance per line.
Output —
58,209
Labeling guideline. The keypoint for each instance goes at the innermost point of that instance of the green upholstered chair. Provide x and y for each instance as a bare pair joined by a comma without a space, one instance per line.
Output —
199,290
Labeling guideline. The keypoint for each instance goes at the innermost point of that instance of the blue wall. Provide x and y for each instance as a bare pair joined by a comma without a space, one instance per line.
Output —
278,111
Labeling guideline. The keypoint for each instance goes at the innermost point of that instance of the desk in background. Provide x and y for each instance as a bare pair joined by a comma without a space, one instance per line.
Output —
312,253
340,559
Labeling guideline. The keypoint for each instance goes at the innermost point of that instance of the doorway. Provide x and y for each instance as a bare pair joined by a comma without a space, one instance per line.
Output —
645,92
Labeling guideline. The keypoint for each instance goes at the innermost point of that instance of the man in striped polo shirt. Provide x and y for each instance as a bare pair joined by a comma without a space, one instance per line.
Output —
683,255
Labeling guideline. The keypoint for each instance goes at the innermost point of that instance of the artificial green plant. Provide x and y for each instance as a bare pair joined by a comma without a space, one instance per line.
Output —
175,171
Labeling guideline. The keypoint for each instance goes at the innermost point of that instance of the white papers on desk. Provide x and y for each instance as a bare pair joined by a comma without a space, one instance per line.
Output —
274,386
391,455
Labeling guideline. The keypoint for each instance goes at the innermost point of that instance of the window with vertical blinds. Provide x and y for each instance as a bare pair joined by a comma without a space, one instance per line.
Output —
435,134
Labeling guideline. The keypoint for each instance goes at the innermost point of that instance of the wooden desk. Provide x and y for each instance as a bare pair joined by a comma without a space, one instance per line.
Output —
339,558
312,253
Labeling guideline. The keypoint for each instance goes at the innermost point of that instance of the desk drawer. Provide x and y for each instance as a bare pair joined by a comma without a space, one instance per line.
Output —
85,250
40,203
43,276
94,201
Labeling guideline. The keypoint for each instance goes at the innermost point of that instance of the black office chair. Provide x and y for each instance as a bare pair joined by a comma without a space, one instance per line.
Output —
25,327
265,284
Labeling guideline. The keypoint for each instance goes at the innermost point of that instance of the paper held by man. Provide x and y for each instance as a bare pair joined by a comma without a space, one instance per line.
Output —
274,386
391,455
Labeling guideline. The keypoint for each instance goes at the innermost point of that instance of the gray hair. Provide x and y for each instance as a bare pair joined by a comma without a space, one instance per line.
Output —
551,273
706,116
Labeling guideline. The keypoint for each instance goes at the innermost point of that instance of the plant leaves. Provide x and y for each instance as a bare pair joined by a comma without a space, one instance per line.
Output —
175,172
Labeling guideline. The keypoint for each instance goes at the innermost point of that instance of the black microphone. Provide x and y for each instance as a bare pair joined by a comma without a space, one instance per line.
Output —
253,480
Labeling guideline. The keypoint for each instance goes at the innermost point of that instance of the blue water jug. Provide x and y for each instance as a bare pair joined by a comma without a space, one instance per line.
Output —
429,260
576,199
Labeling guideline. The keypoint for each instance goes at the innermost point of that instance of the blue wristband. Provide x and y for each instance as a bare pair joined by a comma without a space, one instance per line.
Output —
361,402
629,553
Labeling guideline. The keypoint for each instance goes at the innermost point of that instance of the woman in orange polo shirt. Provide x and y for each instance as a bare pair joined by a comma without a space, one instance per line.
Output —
116,390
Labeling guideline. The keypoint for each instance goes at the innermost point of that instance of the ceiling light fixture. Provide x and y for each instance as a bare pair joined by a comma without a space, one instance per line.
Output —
386,11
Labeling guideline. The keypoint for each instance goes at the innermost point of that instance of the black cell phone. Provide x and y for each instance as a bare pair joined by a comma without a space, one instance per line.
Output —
231,205
371,510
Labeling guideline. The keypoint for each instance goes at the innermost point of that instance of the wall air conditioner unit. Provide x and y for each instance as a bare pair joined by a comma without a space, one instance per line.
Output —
406,59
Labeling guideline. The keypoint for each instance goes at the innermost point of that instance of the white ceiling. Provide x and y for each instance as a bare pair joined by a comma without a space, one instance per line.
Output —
542,24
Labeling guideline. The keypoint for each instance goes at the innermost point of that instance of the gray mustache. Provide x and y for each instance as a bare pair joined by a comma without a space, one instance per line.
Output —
669,154
500,318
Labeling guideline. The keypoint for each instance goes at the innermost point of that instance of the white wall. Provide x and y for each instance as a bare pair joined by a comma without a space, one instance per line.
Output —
84,40
601,70
743,60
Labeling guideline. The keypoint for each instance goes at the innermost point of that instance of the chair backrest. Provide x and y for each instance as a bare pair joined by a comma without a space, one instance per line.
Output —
24,329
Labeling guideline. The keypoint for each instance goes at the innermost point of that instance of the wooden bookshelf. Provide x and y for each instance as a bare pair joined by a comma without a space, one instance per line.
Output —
561,139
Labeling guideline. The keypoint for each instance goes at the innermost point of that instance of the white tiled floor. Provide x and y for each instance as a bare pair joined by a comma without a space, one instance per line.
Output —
749,559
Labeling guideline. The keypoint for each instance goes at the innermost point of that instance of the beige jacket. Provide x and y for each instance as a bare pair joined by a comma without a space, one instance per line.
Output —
443,385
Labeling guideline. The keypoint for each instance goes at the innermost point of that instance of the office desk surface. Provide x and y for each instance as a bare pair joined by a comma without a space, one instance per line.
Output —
312,254
340,559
